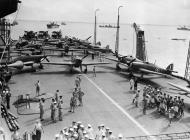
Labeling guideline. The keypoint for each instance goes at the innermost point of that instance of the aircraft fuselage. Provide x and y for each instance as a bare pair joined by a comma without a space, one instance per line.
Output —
137,66
34,58
77,63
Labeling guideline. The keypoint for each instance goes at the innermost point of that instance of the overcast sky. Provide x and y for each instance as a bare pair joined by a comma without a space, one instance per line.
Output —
141,11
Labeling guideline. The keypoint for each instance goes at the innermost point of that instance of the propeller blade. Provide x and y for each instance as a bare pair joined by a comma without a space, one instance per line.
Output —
131,62
47,59
88,37
84,57
81,68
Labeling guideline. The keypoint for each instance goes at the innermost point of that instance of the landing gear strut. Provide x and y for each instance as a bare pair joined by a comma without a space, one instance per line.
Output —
118,67
85,70
41,66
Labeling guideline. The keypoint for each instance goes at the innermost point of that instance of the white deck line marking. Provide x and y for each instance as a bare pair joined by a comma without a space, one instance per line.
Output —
120,108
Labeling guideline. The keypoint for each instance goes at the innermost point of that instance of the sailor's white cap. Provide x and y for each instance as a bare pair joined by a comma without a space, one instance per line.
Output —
71,129
82,126
79,122
89,125
86,136
107,128
56,135
75,127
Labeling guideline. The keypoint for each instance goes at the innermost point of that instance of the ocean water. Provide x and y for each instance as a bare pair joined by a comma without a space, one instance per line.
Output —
161,50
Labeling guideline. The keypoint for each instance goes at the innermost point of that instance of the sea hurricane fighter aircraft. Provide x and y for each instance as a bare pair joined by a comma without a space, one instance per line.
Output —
135,65
22,61
76,62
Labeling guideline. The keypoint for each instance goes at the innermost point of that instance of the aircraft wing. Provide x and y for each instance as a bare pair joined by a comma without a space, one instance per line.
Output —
180,87
55,49
117,61
58,63
124,64
152,72
94,63
111,59
28,63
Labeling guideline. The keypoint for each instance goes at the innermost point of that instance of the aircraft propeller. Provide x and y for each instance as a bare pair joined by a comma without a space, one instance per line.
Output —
131,62
84,57
45,58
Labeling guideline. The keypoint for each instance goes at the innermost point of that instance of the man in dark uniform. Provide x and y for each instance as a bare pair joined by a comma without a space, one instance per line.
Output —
8,96
37,88
41,106
51,108
135,83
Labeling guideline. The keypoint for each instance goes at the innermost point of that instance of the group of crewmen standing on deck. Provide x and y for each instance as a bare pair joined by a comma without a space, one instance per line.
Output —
56,105
77,95
173,107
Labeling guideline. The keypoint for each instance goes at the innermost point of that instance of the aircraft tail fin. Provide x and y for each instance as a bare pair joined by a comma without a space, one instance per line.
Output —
170,68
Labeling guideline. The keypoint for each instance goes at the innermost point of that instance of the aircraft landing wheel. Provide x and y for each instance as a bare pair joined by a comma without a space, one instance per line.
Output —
41,66
85,71
33,70
118,67
71,70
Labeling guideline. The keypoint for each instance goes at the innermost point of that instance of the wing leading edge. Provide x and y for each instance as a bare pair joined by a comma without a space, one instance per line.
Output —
180,87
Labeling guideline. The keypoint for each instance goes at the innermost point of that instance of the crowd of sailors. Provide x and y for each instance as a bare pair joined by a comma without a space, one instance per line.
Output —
165,104
152,98
78,131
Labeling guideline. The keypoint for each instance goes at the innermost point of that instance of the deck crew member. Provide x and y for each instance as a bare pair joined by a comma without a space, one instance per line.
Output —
131,83
76,94
60,108
52,108
94,71
120,136
144,105
77,82
136,98
135,83
80,96
56,95
15,136
171,115
38,129
111,137
54,111
41,106
37,88
8,96
98,133
72,104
